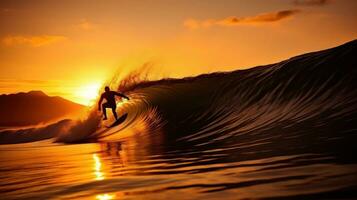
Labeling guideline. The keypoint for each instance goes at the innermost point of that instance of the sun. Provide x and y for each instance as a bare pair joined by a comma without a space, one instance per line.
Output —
88,93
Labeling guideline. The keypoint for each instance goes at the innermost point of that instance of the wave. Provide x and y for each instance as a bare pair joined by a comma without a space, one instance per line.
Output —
306,102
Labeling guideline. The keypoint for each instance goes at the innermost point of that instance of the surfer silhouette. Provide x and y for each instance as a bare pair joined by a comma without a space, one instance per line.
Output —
109,96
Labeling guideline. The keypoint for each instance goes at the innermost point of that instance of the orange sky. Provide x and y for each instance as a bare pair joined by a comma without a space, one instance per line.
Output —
68,48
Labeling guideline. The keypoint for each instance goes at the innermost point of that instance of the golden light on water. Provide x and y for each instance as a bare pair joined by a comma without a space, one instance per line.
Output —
121,102
105,196
99,175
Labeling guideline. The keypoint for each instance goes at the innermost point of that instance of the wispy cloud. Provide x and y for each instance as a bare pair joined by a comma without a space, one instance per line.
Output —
15,83
236,21
86,25
35,41
20,81
311,2
5,10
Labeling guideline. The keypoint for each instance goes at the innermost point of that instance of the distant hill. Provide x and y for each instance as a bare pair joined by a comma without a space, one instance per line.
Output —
34,107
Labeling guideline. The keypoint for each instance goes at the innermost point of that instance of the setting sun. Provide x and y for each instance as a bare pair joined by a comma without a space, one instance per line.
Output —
87,94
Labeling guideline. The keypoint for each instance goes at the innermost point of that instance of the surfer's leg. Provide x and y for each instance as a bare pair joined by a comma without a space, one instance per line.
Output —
104,108
115,113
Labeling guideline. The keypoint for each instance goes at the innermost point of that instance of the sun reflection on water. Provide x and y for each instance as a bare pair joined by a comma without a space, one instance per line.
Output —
99,175
111,155
105,196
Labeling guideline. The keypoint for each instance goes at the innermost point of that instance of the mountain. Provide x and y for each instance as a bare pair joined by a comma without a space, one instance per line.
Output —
34,107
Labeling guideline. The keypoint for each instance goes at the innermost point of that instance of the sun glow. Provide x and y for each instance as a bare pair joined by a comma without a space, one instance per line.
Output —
99,175
105,196
88,93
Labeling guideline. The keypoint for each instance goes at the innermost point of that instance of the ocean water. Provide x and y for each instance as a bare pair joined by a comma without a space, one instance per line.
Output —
281,131
43,170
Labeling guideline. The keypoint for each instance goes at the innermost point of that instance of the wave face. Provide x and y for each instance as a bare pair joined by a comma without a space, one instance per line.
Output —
274,128
305,103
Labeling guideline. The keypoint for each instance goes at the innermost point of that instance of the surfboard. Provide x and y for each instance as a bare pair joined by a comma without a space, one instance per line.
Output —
119,121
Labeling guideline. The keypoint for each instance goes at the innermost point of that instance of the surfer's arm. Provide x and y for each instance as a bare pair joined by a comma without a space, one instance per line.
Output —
121,95
100,102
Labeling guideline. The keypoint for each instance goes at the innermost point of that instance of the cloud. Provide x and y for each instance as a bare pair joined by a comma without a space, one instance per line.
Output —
86,25
5,10
35,41
235,21
24,83
311,2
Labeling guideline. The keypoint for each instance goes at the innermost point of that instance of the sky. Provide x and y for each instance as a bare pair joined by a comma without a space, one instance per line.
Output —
69,48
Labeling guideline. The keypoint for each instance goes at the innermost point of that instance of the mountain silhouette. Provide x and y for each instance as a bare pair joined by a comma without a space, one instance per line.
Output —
34,107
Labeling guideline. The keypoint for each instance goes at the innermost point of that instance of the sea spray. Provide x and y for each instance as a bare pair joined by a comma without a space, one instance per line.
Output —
80,130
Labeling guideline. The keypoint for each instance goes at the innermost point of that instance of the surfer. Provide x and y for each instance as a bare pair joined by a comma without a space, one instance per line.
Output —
110,97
